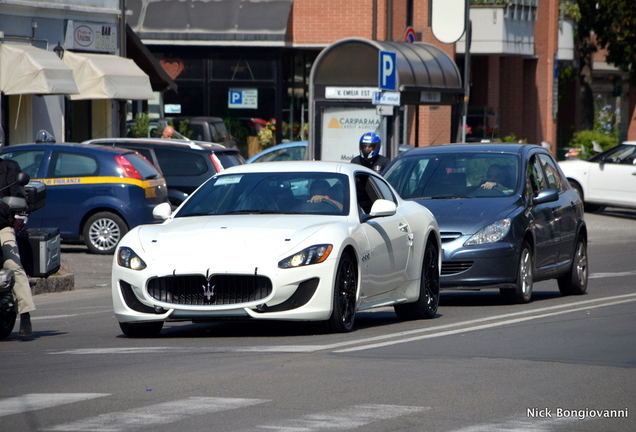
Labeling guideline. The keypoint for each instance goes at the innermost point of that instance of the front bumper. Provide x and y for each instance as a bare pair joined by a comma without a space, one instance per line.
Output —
304,293
471,267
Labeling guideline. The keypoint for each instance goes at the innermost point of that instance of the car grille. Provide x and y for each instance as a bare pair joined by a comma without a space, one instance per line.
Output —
220,290
454,267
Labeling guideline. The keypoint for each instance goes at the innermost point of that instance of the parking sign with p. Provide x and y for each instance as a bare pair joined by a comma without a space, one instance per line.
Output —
387,79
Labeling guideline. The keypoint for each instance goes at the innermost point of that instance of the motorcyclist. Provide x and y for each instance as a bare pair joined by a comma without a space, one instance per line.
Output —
370,157
9,170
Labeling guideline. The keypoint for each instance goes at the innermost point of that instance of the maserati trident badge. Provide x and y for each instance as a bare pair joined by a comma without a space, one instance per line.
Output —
208,291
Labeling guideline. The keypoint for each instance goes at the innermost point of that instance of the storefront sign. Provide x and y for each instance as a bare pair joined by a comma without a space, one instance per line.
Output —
342,129
95,37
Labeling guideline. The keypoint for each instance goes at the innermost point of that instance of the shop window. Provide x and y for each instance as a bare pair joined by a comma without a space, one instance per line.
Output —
242,68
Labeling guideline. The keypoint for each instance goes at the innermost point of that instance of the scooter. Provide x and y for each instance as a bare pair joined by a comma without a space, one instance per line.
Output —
21,207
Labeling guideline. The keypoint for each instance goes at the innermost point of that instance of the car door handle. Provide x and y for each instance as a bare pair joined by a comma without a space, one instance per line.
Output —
404,227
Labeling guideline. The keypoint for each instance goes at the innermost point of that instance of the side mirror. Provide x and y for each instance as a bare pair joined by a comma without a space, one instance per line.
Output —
162,211
383,207
545,196
22,179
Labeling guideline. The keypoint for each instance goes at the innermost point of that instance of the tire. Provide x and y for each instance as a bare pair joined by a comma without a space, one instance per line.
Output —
7,321
344,296
103,231
590,208
523,286
142,330
426,305
574,282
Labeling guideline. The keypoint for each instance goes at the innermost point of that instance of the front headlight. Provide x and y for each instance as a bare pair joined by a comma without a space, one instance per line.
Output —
311,255
126,257
490,234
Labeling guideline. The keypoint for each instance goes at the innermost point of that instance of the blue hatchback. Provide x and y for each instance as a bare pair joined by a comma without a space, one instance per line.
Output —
94,194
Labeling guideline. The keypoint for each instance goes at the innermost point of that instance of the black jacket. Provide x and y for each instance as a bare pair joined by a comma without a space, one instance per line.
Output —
377,163
8,173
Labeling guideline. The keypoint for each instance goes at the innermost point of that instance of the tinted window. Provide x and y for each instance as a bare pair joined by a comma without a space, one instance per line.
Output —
142,165
534,177
553,177
29,161
198,133
384,189
228,159
454,175
65,164
181,163
366,192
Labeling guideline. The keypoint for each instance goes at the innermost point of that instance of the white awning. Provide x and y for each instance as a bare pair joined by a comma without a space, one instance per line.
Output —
25,69
104,76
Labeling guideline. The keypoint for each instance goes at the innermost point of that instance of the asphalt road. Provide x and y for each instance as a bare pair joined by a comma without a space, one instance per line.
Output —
556,364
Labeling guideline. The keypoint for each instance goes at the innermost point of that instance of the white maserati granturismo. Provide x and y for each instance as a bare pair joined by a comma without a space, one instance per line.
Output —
294,241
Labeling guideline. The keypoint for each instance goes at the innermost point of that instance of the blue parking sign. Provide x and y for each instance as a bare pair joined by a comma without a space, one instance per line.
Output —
236,97
387,71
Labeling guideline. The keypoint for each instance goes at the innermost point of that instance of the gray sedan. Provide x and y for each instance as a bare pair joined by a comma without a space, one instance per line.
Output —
507,216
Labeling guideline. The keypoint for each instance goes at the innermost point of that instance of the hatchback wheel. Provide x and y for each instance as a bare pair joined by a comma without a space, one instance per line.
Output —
523,286
574,282
103,231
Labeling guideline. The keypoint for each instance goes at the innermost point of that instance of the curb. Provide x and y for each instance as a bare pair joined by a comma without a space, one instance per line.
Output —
52,284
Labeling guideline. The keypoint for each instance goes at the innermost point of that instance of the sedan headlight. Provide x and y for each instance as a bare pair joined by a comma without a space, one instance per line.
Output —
126,257
311,255
490,234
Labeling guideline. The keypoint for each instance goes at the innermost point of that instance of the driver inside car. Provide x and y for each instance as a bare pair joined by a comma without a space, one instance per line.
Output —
319,191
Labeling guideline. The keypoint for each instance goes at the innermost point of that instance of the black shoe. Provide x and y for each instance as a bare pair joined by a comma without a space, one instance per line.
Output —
25,325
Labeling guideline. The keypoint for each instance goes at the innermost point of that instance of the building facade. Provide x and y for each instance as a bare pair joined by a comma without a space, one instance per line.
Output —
249,62
63,70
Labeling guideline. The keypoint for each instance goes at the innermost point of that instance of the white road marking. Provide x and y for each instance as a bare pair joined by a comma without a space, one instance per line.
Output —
530,425
340,419
487,326
614,274
52,317
160,414
391,338
36,401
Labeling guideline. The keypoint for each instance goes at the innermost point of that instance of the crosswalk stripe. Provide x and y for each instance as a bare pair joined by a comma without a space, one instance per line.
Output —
36,401
162,413
340,419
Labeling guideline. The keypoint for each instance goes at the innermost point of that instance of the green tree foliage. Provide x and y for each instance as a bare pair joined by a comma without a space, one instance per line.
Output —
586,139
614,24
140,128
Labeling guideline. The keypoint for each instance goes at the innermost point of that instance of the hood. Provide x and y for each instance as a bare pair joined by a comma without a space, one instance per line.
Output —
226,243
469,215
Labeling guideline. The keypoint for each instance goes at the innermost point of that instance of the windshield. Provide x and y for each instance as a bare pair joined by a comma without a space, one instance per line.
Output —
462,175
267,193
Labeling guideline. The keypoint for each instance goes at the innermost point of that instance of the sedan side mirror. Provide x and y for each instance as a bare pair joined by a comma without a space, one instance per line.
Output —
382,207
545,196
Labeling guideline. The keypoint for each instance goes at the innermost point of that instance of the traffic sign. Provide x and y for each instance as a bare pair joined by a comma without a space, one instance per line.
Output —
387,71
410,35
386,98
242,98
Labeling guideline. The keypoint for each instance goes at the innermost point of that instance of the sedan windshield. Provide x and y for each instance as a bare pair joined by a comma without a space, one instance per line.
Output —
267,193
447,176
